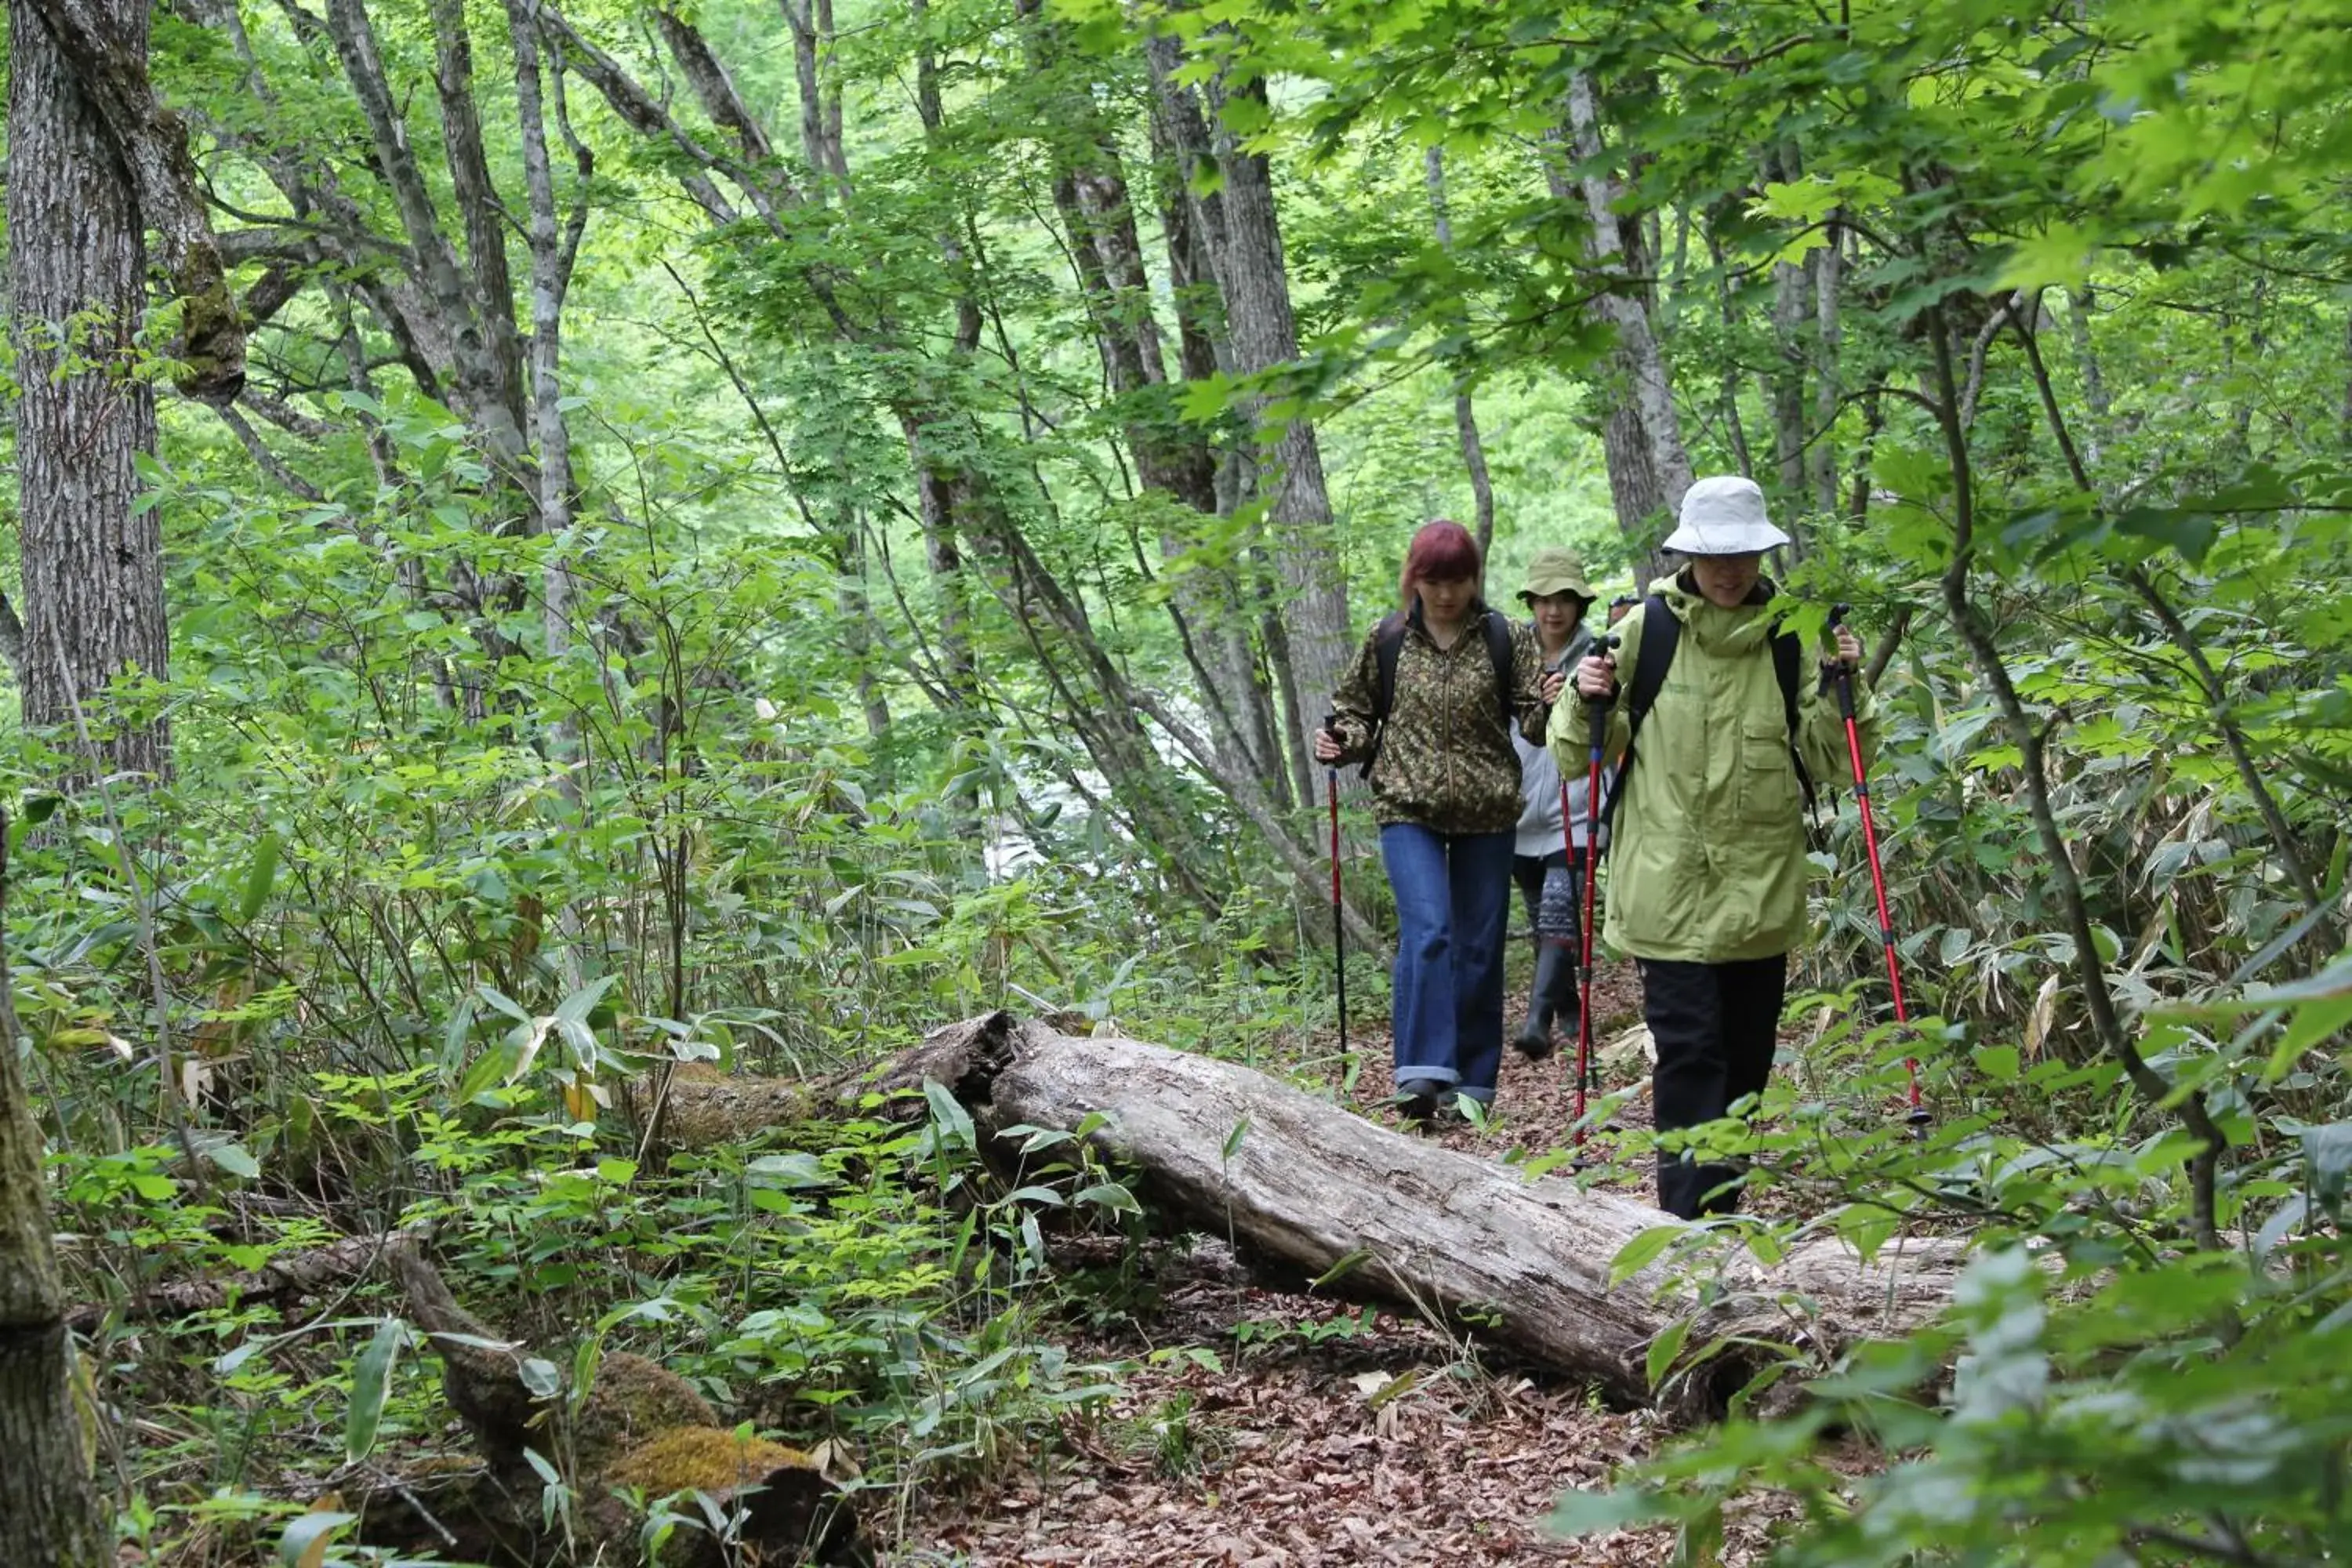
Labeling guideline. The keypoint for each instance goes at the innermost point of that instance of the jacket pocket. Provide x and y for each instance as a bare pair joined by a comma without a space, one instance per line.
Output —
1768,779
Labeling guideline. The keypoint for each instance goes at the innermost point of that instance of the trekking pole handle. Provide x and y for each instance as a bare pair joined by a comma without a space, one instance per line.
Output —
1844,673
1596,709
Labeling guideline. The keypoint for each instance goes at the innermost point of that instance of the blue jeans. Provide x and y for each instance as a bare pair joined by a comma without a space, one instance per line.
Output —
1452,896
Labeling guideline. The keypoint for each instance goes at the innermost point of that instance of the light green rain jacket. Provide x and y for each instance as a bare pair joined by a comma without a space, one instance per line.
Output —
1708,848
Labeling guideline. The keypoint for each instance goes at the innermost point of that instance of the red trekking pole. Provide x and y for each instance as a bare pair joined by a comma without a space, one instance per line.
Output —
1596,712
1918,1116
1338,926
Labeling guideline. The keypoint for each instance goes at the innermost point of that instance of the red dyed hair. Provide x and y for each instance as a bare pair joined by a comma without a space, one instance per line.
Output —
1442,552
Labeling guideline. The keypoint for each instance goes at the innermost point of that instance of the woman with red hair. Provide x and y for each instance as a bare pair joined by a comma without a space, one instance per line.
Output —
1428,709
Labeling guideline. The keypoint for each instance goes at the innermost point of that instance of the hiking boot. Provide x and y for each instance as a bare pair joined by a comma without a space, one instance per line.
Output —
1552,996
1417,1101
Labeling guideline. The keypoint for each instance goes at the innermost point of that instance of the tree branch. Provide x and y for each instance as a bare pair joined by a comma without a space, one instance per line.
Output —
2089,972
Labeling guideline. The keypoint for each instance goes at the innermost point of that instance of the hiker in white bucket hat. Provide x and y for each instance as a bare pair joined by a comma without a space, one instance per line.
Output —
1707,890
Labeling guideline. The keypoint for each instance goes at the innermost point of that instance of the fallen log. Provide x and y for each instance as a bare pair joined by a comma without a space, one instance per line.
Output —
1299,1181
282,1279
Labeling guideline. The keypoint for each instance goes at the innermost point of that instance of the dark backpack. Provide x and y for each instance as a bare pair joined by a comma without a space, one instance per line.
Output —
1662,633
1388,643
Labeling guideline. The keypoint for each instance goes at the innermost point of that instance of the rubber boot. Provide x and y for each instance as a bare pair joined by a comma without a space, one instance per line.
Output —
1552,996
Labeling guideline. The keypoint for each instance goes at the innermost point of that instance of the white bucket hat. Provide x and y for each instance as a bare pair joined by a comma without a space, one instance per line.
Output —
1724,515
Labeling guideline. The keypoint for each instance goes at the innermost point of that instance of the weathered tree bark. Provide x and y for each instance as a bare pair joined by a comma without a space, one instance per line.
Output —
1466,416
1244,248
1794,308
1172,455
93,565
1305,1185
1648,410
1829,276
484,370
105,43
49,1513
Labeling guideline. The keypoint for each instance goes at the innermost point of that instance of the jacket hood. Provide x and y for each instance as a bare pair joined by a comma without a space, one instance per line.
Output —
1737,630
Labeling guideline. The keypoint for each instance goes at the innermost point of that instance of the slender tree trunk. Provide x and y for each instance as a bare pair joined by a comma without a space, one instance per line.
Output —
1466,417
1245,250
1792,311
50,1515
93,565
1828,273
2090,971
1727,397
1172,455
551,251
478,206
1648,430
2080,305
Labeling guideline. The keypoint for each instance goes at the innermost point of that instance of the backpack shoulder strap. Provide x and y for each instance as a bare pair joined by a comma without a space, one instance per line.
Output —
1505,659
1388,643
1661,633
1787,665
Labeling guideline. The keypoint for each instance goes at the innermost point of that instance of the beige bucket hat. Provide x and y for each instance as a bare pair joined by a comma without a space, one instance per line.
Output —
1556,571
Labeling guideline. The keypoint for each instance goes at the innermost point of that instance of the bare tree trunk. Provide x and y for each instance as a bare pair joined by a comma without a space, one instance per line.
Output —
812,26
552,249
484,372
1244,244
106,51
93,565
1091,193
1829,272
2080,305
1466,417
2090,970
50,1515
1727,397
1649,430
1786,383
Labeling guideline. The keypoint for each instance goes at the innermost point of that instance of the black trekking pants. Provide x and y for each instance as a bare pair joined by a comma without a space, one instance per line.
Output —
1714,1026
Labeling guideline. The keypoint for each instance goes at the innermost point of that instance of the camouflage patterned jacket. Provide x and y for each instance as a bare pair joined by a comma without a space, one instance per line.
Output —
1445,760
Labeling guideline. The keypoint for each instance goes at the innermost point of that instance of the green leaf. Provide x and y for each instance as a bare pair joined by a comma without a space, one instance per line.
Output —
1347,1264
1590,1512
1998,1063
259,879
541,1377
952,1119
1110,1195
1045,1195
232,1158
1665,1349
371,1383
793,1169
1233,1139
304,1544
489,1070
575,1008
1641,1251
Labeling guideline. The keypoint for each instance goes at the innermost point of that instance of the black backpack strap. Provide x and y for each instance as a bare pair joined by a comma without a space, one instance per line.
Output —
1388,643
1505,659
1662,633
1789,664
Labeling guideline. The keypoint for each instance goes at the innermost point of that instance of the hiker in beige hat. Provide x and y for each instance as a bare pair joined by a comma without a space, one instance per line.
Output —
1547,874
1724,729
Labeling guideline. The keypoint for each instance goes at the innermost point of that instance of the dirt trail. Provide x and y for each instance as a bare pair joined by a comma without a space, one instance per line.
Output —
1283,1431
